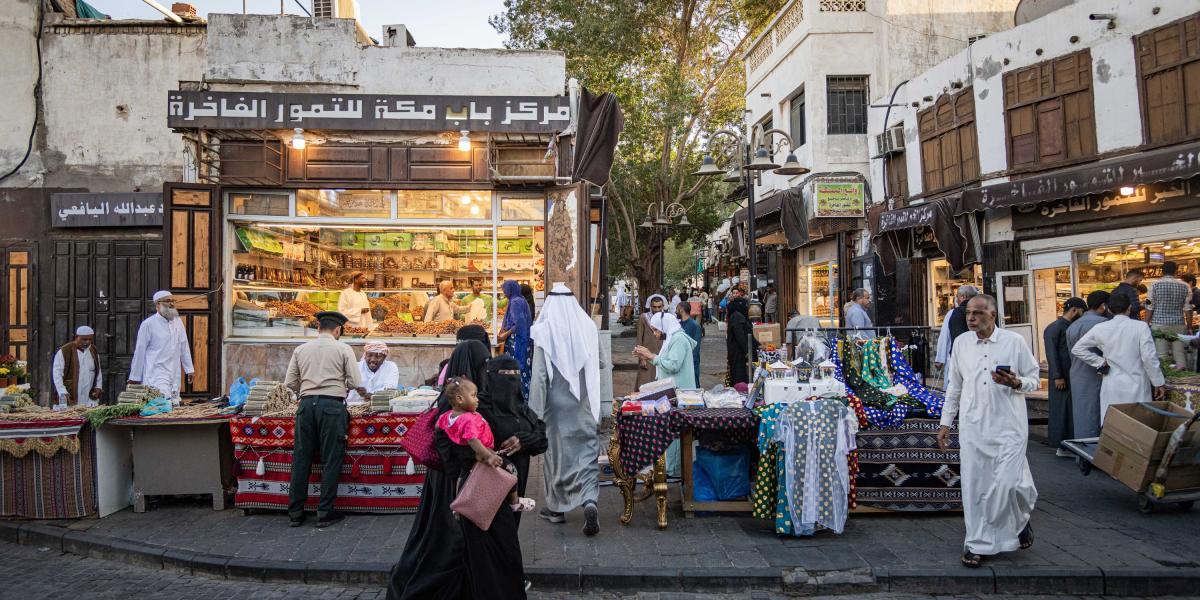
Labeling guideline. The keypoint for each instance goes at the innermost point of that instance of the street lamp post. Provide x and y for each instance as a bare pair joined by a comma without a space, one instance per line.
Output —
661,217
747,171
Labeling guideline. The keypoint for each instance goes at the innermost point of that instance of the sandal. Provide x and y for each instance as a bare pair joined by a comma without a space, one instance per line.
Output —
1026,536
523,505
972,560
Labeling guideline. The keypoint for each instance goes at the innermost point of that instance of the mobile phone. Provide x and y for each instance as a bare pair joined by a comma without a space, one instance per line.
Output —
1003,369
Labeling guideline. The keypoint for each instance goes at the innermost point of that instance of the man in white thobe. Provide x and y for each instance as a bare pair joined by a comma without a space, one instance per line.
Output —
162,351
1129,364
377,372
76,369
354,304
990,373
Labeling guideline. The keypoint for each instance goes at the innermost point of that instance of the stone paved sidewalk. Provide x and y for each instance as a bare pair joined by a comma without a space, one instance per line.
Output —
1088,529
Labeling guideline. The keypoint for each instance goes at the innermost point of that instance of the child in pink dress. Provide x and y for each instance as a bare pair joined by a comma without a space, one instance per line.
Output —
466,427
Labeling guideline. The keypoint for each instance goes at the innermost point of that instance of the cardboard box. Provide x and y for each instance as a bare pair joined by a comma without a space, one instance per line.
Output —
1133,441
1141,430
768,333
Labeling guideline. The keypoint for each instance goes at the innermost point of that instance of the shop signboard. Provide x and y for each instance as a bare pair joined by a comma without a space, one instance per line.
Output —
838,199
120,209
1089,208
366,112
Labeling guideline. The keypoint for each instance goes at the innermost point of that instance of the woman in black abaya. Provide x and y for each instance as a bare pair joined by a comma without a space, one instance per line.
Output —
433,564
740,330
517,428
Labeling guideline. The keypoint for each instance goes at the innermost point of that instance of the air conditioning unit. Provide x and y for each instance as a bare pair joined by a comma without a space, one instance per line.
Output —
891,141
335,9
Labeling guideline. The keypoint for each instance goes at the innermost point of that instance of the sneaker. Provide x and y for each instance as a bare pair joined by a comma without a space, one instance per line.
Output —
591,519
330,519
553,517
1064,453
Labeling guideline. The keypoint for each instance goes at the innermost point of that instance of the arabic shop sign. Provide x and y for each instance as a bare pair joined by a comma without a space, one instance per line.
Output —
367,112
837,199
131,209
905,218
1090,208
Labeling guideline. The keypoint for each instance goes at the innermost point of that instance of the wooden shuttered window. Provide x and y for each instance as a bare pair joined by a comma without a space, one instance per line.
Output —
192,270
897,178
949,153
1169,70
1048,109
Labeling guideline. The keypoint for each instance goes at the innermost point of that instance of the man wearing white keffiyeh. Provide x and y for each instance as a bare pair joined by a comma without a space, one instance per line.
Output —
565,392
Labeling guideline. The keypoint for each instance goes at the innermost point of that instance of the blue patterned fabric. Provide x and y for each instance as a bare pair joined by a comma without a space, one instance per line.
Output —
902,373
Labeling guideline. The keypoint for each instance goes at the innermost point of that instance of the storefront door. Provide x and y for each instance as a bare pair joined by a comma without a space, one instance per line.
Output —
1014,299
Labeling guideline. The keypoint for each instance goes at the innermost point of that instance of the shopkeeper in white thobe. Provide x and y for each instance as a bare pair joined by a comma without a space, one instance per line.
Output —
993,429
354,304
83,370
1129,365
377,372
162,351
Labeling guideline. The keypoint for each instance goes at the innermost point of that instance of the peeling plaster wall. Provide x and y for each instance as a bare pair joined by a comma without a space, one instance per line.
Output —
282,53
890,42
1114,78
18,71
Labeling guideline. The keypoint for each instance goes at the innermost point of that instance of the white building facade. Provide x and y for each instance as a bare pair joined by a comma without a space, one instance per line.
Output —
1043,162
812,73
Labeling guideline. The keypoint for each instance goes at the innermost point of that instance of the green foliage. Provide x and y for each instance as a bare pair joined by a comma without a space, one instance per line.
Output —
679,262
676,69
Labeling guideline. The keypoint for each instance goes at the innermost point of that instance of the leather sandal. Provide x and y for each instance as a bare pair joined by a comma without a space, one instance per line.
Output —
1026,536
971,560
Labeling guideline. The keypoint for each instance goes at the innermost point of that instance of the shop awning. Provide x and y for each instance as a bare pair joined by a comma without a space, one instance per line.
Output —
952,232
1106,176
766,215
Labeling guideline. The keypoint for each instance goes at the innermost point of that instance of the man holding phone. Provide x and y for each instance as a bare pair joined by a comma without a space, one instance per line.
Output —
990,373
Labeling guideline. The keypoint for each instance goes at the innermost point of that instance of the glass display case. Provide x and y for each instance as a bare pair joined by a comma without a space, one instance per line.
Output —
284,268
823,293
944,286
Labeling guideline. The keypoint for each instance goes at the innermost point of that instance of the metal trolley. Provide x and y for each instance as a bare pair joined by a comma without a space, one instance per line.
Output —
1177,455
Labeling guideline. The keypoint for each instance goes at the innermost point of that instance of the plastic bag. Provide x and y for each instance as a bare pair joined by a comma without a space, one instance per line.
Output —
718,476
238,392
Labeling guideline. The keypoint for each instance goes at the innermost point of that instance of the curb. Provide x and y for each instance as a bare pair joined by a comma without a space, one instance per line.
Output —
998,579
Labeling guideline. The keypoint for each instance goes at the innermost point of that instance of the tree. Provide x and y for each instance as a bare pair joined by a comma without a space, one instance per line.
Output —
676,68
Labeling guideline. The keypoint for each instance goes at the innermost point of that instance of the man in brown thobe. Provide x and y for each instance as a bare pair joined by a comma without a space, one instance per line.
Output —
647,336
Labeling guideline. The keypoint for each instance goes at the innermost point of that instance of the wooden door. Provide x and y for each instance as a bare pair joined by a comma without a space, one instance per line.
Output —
106,285
17,280
191,269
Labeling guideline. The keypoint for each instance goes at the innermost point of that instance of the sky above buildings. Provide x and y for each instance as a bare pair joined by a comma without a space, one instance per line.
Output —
461,24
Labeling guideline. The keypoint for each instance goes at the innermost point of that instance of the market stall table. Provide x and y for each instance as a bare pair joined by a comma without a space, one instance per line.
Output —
639,441
47,468
374,475
178,456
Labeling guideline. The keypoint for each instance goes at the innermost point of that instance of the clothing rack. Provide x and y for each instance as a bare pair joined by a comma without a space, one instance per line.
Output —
913,340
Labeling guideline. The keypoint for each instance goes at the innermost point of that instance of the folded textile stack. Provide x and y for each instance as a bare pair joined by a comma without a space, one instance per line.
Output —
381,401
264,397
415,401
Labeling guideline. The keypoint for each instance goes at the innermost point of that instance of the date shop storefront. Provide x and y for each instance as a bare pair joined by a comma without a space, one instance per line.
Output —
289,226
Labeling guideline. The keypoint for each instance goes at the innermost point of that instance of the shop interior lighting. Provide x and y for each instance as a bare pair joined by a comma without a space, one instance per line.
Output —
1127,190
464,140
298,142
465,199
474,209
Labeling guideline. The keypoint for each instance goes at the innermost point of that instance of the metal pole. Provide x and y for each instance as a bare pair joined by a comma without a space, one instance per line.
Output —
662,250
752,245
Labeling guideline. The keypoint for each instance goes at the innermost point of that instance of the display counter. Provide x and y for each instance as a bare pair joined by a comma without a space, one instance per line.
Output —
374,475
178,456
47,469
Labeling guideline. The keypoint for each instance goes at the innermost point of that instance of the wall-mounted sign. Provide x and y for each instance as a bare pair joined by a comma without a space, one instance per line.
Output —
1090,208
366,112
121,209
838,199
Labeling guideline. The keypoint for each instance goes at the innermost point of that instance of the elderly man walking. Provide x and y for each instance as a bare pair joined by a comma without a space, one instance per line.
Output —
162,349
990,373
76,368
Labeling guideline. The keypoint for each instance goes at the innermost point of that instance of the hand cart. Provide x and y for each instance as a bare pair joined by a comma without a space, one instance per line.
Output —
1176,455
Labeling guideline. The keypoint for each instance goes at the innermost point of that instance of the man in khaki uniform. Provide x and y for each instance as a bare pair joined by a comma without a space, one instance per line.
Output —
321,372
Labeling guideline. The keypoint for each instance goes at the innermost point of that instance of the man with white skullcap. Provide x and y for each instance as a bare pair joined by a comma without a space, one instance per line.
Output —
162,349
378,373
77,377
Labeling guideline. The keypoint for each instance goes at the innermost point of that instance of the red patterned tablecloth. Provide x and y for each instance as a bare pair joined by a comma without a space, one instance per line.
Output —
373,475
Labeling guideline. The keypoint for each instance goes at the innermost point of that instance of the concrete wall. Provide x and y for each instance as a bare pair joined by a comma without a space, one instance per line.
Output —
18,72
283,52
890,42
111,134
1114,78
